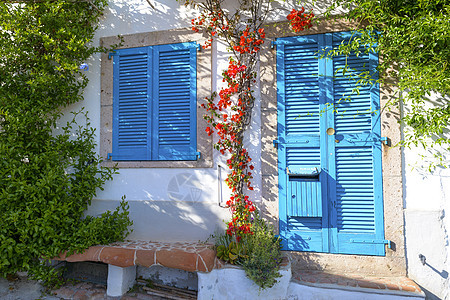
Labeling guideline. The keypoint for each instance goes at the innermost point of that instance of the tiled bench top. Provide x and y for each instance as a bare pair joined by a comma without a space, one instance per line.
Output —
188,256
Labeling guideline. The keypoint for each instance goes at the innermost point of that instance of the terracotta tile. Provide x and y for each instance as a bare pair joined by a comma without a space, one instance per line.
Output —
177,259
347,282
368,284
409,288
91,254
392,286
218,264
206,264
120,257
145,258
325,280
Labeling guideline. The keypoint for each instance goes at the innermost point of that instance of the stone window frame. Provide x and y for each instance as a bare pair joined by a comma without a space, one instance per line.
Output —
204,85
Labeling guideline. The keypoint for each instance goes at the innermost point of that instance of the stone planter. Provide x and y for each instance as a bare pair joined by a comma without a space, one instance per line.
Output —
230,282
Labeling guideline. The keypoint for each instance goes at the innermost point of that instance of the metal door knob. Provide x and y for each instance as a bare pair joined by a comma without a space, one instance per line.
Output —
330,131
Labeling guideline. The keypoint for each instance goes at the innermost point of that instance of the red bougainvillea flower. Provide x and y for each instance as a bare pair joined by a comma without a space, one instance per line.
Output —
300,20
229,115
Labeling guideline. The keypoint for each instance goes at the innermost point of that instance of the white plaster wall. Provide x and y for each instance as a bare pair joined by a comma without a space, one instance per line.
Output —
165,204
427,205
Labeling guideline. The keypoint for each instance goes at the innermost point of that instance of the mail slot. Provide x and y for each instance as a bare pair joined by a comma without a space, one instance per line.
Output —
304,192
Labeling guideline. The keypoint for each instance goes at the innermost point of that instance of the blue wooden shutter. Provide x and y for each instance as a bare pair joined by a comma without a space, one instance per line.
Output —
358,219
299,105
314,94
174,134
131,109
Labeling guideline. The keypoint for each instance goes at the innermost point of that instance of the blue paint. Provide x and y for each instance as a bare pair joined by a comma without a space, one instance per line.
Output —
154,103
314,94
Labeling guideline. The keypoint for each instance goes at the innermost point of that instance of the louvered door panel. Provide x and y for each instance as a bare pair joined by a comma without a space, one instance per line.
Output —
302,89
301,222
355,189
352,103
131,109
175,96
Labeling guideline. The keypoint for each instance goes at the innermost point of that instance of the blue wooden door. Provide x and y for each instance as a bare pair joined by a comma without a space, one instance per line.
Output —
329,148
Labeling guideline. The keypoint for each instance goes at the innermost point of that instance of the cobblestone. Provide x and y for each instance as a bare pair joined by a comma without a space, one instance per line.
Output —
93,291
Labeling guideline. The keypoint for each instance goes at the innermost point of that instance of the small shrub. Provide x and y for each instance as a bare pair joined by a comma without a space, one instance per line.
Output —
259,253
263,255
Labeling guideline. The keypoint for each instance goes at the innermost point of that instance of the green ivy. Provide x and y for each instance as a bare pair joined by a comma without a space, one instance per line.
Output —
413,38
48,173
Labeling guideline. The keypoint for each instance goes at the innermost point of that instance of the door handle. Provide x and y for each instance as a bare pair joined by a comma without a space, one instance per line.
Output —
331,131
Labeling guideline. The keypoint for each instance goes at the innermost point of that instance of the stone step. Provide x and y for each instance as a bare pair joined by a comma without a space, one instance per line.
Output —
394,286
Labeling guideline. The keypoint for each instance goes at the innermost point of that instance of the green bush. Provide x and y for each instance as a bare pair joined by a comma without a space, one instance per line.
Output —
48,173
263,255
259,253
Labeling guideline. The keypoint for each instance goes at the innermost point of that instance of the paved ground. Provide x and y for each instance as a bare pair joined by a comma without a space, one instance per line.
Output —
20,288
23,289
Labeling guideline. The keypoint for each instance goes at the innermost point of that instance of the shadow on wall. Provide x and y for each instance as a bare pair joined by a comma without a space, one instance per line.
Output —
429,295
303,262
135,16
164,205
168,220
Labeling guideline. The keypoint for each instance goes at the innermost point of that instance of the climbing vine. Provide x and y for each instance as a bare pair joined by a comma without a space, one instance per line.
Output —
49,169
230,115
412,38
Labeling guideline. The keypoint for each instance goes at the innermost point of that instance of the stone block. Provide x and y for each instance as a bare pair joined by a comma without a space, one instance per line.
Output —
120,280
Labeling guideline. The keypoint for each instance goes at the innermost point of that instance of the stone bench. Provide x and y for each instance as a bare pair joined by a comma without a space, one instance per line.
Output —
123,257
215,277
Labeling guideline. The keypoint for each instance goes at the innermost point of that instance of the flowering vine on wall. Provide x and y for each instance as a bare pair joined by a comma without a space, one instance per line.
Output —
243,32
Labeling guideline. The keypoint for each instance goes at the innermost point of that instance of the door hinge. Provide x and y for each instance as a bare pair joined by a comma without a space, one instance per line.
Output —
387,242
386,141
112,53
275,143
109,156
198,155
